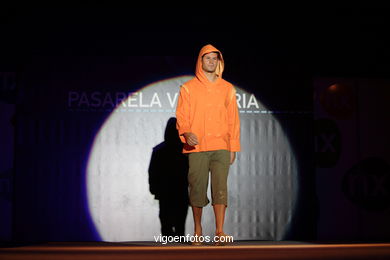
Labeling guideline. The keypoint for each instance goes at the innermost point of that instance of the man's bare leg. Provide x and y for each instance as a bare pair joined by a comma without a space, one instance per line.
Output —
219,212
197,214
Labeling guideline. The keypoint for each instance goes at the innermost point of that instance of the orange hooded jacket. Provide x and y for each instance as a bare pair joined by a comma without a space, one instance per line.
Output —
209,110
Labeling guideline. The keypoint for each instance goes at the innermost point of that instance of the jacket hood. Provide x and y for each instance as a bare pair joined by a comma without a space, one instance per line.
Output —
199,71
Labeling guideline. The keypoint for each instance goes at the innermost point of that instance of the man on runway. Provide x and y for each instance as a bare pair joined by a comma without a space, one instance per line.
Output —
209,126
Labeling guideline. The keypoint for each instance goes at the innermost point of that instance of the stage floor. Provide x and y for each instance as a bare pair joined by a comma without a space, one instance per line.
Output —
236,250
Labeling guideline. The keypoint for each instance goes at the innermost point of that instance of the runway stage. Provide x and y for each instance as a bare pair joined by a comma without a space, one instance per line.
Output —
236,250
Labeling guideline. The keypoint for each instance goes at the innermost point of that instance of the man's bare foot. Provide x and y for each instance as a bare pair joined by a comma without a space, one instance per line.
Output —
223,239
197,235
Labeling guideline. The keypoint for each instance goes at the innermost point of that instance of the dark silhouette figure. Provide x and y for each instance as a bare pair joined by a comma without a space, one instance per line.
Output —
168,181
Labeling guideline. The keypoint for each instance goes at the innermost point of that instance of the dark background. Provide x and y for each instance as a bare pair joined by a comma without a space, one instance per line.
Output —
274,53
269,45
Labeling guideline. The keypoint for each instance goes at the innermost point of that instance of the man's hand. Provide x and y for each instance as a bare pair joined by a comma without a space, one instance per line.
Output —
232,157
191,139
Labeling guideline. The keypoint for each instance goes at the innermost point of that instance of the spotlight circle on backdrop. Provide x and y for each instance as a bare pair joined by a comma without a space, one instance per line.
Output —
262,182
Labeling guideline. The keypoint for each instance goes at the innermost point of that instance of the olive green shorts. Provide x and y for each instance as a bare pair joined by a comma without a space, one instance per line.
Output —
200,164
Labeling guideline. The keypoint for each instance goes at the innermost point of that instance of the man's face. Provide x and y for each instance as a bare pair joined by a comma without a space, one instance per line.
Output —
210,62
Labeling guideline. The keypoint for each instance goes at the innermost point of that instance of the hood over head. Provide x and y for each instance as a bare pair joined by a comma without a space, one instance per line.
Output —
199,71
